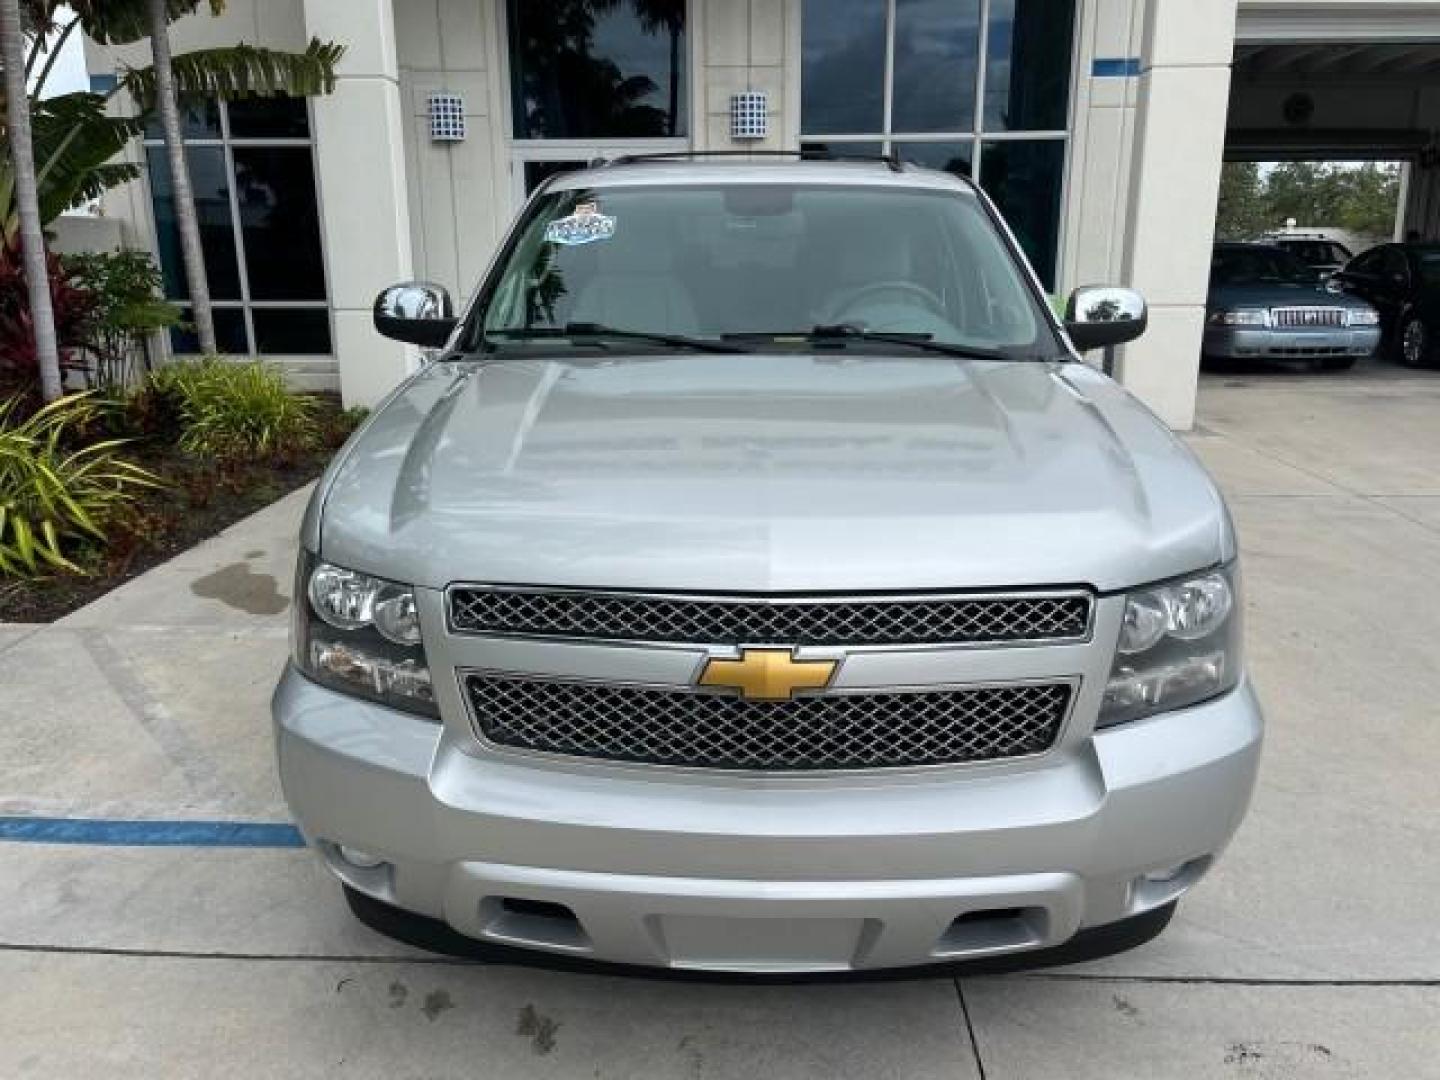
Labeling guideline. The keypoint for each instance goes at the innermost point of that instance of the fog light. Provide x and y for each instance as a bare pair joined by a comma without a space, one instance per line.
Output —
1170,873
361,860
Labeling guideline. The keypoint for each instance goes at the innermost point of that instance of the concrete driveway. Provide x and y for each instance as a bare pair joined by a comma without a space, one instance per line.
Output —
1312,951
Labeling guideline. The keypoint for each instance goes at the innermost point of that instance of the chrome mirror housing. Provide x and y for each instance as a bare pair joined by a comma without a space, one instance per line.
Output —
1098,316
417,312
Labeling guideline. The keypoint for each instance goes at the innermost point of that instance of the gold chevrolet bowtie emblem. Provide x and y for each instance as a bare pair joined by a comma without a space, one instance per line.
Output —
768,674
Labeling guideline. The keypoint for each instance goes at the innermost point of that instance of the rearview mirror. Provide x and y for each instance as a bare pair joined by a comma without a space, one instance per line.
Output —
1099,316
417,312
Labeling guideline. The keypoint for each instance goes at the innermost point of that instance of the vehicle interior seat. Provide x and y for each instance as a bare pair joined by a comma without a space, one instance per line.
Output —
633,285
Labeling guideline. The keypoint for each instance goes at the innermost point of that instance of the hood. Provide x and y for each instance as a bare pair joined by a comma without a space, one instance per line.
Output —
767,473
1270,294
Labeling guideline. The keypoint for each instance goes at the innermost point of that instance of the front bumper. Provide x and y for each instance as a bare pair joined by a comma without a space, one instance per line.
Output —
1232,342
766,874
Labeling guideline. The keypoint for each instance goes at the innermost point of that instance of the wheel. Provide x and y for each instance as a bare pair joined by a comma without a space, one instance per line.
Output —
1337,363
1414,343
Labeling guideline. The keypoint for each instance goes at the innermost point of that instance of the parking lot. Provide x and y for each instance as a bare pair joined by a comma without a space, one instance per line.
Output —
1313,950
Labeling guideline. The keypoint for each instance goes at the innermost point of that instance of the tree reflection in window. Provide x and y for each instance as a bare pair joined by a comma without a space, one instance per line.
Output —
545,290
606,69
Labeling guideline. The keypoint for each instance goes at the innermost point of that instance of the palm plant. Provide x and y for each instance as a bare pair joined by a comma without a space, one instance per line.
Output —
241,71
75,139
20,180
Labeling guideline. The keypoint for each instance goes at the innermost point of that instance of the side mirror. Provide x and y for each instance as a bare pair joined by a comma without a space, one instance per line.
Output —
417,312
1098,316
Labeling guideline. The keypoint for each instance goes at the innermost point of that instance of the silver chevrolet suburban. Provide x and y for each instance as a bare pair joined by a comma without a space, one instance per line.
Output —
757,580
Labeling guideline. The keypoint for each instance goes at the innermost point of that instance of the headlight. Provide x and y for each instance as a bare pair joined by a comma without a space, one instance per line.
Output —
1240,317
361,635
1363,317
1179,645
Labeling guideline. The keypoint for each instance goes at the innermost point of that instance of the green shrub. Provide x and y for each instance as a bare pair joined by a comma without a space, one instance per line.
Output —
228,409
53,497
128,297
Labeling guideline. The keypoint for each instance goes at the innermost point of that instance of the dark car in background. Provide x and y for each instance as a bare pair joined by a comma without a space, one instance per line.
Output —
1402,281
1265,304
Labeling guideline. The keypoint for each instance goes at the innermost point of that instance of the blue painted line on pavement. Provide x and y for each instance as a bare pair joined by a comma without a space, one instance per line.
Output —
106,832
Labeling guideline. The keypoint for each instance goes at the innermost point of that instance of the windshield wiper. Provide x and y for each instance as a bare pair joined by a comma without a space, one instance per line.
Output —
839,333
592,330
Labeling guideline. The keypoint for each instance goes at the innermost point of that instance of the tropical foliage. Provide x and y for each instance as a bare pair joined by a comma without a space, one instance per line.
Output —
75,313
229,410
77,136
126,307
55,497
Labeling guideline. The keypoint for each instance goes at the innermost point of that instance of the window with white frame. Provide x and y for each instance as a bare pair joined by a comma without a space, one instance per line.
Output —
253,172
976,87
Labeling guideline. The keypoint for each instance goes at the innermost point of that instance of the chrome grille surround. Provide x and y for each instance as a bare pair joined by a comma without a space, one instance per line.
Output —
1291,318
834,731
1049,617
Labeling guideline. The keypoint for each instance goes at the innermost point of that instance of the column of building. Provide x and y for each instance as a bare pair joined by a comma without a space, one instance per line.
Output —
1183,95
360,164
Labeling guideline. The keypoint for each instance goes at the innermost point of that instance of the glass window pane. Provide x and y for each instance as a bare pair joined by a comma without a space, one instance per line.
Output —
1027,70
951,157
291,331
1024,179
537,172
937,63
269,118
275,189
229,334
598,69
212,207
842,74
821,149
198,120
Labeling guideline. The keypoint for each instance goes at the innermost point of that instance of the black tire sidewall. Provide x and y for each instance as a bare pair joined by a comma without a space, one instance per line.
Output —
1403,328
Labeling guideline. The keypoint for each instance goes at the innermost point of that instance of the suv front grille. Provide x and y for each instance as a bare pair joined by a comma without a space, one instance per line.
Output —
719,731
1305,317
1049,617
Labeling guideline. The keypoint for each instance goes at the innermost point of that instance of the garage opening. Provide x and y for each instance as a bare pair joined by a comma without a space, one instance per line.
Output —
1332,180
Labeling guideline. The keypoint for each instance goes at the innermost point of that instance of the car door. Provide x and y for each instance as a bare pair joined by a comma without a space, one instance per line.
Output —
1380,276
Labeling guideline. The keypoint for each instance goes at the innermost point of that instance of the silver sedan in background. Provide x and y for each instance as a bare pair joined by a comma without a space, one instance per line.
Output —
1265,304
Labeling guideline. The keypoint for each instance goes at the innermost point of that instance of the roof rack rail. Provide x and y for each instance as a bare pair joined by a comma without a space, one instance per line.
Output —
891,162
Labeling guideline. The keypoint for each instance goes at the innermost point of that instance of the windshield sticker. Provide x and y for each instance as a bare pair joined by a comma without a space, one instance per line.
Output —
584,226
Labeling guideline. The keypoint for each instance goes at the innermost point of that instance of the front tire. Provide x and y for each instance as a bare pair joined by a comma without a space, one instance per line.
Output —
1414,344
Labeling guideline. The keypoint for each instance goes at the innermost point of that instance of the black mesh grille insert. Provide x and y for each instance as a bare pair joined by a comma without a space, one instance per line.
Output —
889,621
833,731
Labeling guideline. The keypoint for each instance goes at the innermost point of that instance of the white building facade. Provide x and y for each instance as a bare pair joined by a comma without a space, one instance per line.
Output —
1099,127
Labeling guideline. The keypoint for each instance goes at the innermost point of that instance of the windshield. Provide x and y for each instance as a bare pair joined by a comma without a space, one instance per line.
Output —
1258,266
763,261
1316,252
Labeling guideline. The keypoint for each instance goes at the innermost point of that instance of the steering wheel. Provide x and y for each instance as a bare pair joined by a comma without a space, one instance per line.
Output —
908,288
